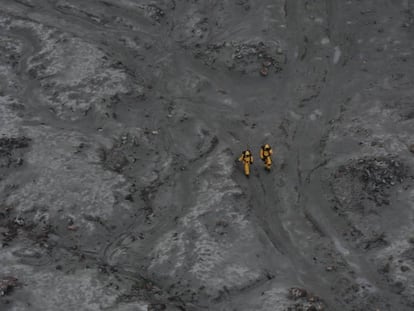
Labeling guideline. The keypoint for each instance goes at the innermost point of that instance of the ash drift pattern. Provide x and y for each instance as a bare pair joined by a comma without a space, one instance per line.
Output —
120,122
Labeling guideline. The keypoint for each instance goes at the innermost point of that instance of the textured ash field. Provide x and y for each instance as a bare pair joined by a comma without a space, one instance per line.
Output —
120,123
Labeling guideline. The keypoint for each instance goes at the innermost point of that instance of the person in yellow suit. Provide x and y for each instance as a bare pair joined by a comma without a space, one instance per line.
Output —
247,159
266,155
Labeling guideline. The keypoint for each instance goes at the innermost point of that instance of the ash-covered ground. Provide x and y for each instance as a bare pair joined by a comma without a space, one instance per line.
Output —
120,123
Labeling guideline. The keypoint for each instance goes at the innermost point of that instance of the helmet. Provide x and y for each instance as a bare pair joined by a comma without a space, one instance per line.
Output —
267,147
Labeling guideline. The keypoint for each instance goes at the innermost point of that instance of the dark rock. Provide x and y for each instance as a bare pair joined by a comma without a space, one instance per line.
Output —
408,254
116,160
377,240
19,221
7,284
10,154
10,143
264,72
385,268
157,307
398,287
129,197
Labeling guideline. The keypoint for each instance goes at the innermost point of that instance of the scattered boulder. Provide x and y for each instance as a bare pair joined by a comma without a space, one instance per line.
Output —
304,301
374,175
242,57
155,12
296,293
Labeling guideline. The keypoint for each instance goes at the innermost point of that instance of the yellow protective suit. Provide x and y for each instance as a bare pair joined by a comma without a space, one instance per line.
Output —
247,160
266,155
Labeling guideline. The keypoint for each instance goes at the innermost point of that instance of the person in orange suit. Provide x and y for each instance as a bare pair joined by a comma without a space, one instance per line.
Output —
266,156
247,159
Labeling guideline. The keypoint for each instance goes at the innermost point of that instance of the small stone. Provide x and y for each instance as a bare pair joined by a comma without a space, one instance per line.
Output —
72,227
330,268
411,148
155,132
404,268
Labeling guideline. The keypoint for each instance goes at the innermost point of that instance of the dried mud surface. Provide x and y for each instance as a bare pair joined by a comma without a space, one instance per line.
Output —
120,123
